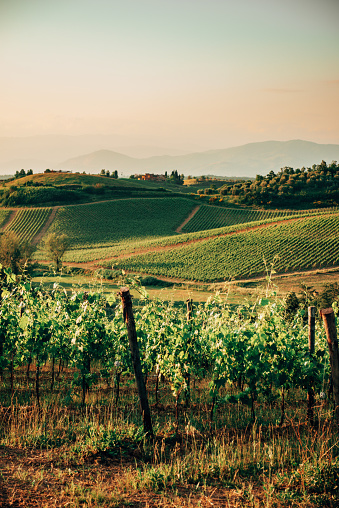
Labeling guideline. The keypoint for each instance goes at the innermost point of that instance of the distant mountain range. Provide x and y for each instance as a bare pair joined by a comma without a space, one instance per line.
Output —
42,152
248,160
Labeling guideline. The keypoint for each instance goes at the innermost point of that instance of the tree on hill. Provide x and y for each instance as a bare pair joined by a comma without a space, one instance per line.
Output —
55,247
13,253
20,174
176,178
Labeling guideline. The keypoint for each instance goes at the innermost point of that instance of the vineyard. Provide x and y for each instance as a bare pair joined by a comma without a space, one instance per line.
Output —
300,244
105,224
228,348
211,374
28,222
125,244
128,246
211,217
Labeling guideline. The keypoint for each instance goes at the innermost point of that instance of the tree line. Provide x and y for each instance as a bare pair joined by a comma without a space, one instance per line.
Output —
317,186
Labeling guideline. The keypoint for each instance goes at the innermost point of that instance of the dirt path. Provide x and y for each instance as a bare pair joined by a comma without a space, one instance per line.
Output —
193,212
43,231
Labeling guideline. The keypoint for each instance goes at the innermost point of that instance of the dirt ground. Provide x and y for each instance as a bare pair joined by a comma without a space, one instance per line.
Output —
31,478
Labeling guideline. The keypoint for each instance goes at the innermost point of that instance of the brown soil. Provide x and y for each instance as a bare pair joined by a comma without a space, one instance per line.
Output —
35,478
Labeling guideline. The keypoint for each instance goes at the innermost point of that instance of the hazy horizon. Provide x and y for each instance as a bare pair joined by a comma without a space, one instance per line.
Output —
182,74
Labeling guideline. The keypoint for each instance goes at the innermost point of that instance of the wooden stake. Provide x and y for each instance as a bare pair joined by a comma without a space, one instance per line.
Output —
332,341
311,346
189,306
133,343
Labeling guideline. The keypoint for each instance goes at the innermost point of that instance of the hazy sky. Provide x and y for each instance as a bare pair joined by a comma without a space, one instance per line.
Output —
208,73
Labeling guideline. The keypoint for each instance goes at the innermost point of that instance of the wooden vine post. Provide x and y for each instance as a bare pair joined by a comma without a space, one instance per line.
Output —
189,306
311,347
133,344
332,341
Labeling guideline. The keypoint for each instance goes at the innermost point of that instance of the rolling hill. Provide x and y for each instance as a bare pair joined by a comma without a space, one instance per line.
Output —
246,160
169,235
288,245
67,152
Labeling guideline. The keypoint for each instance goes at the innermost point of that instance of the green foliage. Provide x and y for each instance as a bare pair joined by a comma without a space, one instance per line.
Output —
328,296
317,186
153,281
55,247
28,195
291,305
176,178
216,345
13,253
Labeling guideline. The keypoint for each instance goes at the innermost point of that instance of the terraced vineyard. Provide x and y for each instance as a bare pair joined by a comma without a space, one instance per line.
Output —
105,223
210,217
300,244
28,222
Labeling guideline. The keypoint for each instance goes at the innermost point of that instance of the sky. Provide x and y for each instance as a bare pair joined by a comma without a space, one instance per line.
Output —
179,73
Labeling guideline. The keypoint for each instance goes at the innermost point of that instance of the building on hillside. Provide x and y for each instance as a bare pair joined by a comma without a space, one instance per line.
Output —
152,177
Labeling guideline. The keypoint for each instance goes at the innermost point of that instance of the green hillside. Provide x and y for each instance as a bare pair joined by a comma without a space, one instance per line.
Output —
62,178
56,188
299,244
107,223
28,222
210,217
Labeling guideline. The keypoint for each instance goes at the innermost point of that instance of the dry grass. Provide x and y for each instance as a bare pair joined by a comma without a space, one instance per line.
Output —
65,455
